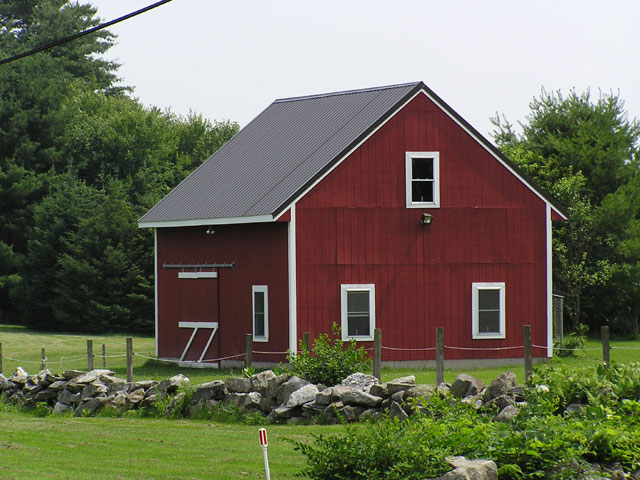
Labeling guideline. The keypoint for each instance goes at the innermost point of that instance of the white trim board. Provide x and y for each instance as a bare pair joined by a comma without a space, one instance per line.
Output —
203,222
549,249
195,275
293,295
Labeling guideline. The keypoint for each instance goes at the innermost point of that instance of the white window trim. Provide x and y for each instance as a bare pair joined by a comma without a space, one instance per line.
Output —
475,288
264,289
366,287
436,179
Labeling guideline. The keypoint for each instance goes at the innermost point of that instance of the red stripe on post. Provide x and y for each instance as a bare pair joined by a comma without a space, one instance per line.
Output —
263,437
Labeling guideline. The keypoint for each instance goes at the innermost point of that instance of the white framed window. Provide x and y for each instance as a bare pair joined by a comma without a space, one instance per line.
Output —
358,307
488,310
422,171
260,294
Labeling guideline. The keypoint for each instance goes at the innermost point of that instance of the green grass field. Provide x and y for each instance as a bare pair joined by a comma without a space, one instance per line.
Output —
125,448
140,448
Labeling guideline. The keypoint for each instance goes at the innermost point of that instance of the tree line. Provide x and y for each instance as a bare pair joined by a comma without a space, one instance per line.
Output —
81,160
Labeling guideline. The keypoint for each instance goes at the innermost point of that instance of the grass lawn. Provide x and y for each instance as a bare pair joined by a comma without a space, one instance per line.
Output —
67,351
128,448
138,448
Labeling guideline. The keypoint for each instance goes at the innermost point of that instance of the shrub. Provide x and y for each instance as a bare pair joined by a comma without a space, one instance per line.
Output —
536,444
331,360
571,343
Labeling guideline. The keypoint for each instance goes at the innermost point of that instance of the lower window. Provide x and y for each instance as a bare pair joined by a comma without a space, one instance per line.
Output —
488,312
260,313
358,311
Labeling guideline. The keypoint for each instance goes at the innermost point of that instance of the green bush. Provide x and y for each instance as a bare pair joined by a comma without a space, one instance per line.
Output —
536,444
330,361
571,343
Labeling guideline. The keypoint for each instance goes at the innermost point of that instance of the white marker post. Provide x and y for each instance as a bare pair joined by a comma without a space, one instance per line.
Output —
263,443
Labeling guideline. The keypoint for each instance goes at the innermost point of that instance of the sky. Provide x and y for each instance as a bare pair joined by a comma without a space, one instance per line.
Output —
231,59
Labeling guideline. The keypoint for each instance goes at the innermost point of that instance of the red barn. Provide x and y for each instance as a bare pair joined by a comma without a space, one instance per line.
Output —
376,208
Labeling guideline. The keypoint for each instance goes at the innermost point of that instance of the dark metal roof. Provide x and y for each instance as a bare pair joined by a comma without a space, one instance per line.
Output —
277,154
285,149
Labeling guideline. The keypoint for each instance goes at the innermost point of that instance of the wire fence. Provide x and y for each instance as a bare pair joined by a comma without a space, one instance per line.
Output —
247,356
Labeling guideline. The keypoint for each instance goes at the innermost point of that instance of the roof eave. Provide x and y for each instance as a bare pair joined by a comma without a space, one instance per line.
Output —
198,222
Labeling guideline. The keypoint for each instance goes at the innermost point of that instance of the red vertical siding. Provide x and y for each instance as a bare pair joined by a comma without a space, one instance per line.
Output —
259,254
353,227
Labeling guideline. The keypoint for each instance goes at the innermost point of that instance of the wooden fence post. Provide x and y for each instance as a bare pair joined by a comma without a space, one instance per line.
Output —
104,356
306,340
439,355
528,361
43,364
606,349
377,353
89,355
129,359
248,350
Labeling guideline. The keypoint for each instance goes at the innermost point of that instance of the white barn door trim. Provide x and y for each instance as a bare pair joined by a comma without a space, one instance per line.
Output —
196,326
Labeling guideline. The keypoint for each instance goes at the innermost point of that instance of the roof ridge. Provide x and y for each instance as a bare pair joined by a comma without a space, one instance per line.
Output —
345,92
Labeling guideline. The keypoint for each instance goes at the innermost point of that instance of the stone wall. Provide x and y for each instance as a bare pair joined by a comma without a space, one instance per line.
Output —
284,398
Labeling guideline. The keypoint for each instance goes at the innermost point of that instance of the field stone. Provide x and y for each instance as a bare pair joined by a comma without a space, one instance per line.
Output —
371,414
69,398
136,396
173,403
260,382
171,385
19,376
285,412
299,397
206,391
94,389
466,385
58,385
45,395
91,406
401,384
60,408
116,387
500,385
288,387
324,397
267,404
507,413
237,385
470,469
379,390
330,412
397,411
360,381
424,391
71,374
351,413
144,384
252,401
92,376
357,397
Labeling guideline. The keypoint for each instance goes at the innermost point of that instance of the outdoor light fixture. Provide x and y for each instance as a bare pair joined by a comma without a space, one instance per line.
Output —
427,218
210,230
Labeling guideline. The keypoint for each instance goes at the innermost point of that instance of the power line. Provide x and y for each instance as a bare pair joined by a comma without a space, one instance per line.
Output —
83,33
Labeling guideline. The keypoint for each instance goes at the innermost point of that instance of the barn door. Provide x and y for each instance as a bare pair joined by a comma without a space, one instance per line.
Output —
198,315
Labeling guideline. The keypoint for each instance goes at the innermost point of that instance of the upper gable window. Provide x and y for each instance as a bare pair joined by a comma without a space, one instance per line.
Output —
423,179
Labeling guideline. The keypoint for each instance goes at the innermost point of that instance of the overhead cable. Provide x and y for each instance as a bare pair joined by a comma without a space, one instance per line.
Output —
83,33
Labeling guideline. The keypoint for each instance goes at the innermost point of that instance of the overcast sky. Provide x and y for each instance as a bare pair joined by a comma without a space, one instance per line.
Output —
231,59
